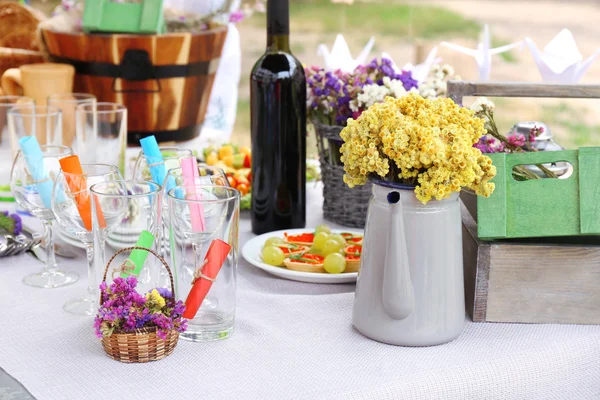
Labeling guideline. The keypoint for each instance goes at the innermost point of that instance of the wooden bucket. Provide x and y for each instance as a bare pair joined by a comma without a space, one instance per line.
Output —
164,80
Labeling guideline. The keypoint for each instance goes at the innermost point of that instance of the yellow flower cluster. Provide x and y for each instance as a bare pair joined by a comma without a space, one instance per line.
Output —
416,140
156,299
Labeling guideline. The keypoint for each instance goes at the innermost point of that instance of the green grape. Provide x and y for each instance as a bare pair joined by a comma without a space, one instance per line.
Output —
332,246
314,250
335,263
323,228
274,241
320,239
273,255
339,238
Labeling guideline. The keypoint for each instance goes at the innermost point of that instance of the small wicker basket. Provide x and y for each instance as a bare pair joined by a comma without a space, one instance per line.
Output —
341,204
143,345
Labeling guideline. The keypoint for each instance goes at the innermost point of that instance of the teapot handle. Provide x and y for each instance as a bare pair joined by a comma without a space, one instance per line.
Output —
397,293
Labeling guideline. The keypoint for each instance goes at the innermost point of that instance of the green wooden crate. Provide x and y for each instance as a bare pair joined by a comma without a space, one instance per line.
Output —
543,207
108,16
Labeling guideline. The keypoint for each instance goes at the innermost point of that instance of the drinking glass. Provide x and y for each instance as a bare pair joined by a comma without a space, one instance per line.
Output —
121,210
72,206
67,103
102,133
171,158
31,182
43,122
207,175
6,103
199,216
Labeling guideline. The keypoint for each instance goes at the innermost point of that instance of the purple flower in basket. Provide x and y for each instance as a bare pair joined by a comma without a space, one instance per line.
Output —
125,310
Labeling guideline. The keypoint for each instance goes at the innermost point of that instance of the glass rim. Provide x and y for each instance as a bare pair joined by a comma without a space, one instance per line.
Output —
51,111
67,151
117,108
233,194
113,168
156,190
168,148
29,102
78,97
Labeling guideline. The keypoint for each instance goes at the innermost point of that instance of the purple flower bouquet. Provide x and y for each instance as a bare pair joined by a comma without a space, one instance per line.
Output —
127,320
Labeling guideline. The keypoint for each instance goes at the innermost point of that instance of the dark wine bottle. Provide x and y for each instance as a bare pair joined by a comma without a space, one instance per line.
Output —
278,119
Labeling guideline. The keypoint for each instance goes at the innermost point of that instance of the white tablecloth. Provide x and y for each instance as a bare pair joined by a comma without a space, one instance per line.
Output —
292,341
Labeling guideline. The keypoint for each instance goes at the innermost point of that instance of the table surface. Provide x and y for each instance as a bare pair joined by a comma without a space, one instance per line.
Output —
292,340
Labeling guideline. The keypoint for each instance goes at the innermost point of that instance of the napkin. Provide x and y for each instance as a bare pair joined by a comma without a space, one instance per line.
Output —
483,53
340,57
561,61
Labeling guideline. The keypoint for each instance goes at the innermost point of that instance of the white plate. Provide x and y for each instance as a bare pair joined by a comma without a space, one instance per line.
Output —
65,237
252,253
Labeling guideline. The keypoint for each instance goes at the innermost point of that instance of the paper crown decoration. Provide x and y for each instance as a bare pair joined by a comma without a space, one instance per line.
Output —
340,57
483,53
561,61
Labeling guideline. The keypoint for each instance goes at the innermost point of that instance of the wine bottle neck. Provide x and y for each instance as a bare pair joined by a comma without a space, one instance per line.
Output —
278,25
278,43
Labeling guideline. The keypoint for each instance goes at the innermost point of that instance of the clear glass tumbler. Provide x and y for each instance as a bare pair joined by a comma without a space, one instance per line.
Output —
102,134
67,103
201,216
207,175
43,122
6,103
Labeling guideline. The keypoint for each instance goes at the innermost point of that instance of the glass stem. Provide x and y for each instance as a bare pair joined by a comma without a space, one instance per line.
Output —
51,266
92,286
198,261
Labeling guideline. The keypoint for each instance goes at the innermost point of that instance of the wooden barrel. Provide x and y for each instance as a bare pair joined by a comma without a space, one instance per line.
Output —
164,80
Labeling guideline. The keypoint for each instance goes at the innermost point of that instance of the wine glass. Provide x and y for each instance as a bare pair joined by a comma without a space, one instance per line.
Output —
199,215
121,211
31,180
153,169
72,206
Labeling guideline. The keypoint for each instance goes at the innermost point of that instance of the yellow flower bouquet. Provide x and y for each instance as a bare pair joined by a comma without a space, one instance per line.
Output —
421,142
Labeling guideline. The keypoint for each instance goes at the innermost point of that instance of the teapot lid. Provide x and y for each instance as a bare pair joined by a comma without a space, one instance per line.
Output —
525,127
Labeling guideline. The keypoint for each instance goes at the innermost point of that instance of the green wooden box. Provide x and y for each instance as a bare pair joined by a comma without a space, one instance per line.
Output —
109,16
543,207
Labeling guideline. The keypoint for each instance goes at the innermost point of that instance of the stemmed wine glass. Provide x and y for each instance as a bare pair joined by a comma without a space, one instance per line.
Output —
121,211
71,203
149,168
31,180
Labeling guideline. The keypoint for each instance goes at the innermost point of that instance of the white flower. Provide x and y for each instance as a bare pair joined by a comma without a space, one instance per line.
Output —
396,87
372,94
481,105
448,70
